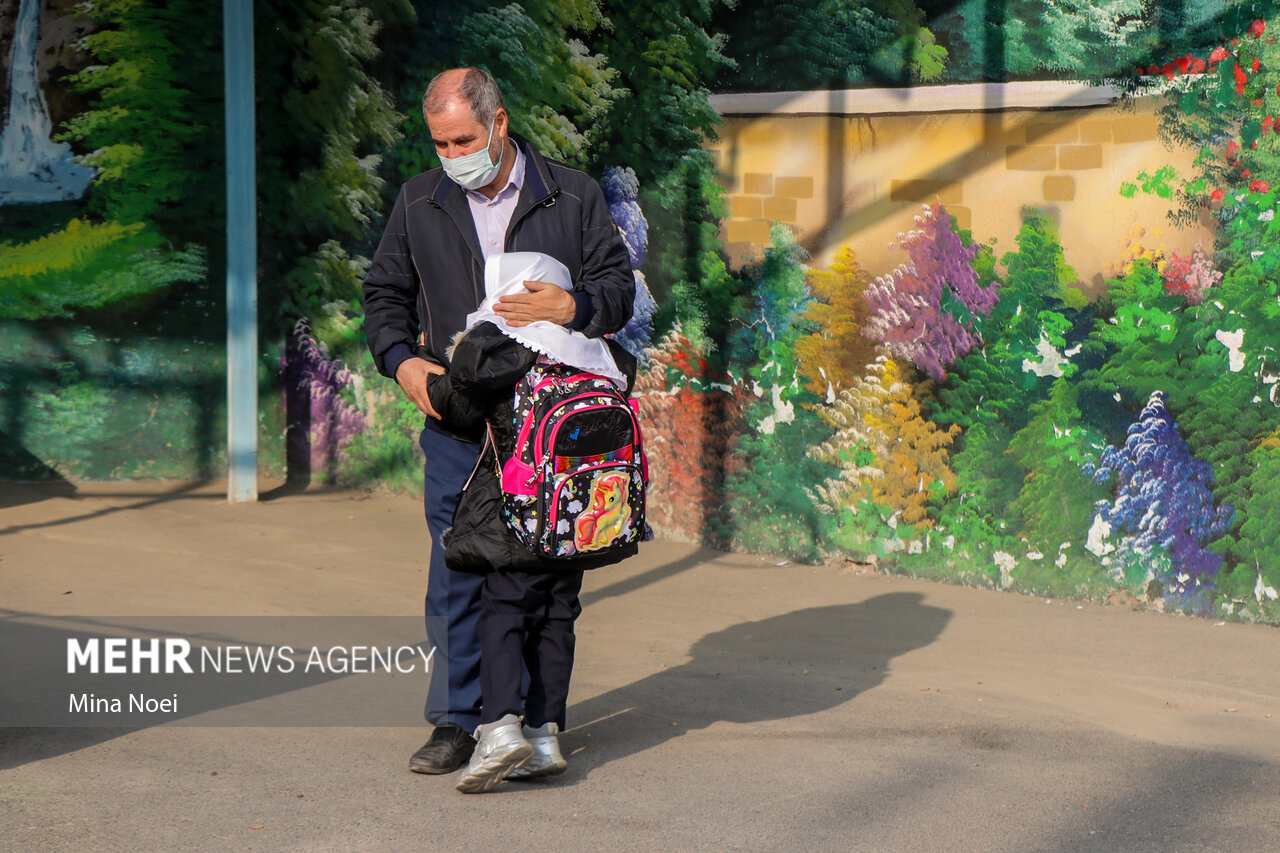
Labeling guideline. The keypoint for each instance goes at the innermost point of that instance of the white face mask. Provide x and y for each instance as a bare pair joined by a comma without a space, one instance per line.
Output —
475,170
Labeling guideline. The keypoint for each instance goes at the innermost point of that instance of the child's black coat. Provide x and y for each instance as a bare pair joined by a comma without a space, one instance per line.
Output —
480,385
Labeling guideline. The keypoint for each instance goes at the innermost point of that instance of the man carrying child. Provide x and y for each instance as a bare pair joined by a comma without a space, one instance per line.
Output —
494,194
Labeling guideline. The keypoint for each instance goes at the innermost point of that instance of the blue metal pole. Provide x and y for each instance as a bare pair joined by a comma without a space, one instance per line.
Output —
242,255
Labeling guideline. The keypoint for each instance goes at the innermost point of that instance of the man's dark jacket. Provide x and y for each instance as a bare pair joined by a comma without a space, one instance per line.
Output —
428,272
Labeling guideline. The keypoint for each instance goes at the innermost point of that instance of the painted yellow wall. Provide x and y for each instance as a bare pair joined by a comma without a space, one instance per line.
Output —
860,179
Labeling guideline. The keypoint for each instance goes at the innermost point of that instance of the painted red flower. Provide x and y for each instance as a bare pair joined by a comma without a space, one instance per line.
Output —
1259,187
1217,195
1233,148
1219,54
1197,67
1257,28
1241,79
1256,64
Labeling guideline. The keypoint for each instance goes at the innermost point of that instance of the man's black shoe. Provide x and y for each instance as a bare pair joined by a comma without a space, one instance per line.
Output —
448,749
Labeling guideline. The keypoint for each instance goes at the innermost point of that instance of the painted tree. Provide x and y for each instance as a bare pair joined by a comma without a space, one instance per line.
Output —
926,311
825,45
155,85
884,451
767,508
657,125
1055,503
1024,336
769,319
1024,38
1162,504
1221,100
836,352
990,392
1258,546
558,89
317,166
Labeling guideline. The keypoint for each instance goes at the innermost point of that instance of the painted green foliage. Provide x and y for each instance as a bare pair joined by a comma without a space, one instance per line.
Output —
829,44
149,134
138,264
767,507
1020,38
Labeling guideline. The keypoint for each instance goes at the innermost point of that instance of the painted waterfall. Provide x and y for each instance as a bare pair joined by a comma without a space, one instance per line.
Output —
33,168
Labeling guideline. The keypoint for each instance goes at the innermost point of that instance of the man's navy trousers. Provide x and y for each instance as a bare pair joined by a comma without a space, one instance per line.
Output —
453,598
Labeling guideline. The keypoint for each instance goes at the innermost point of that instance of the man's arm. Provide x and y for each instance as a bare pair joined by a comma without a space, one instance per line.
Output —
601,302
391,312
607,278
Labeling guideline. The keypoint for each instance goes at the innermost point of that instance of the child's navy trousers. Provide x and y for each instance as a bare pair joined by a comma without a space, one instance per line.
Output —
526,622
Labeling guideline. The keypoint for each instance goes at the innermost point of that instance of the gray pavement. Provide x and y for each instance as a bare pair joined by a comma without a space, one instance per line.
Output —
720,702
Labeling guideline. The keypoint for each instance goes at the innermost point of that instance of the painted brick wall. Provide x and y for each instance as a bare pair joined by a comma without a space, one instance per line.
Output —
845,177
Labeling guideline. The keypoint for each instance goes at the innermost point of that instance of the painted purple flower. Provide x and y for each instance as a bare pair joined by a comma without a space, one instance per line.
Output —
1162,500
311,374
925,311
622,192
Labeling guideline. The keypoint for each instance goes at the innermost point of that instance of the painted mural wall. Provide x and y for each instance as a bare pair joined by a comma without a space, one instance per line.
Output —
986,343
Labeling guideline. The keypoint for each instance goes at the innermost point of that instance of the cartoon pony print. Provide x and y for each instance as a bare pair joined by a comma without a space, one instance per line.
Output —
607,517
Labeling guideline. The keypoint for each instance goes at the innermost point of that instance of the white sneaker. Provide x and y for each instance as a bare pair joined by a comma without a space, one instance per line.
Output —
500,748
546,760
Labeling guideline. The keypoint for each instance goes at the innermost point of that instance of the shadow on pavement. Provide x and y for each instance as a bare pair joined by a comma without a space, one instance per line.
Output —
643,579
786,666
14,493
34,492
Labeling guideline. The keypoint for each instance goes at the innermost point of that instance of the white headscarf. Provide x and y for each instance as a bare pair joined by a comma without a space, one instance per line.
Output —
506,274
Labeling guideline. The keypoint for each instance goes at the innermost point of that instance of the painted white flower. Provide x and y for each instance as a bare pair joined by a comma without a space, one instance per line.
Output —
1006,563
1233,341
1097,542
1261,590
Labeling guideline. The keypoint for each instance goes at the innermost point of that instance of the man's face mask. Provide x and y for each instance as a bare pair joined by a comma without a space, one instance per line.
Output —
476,170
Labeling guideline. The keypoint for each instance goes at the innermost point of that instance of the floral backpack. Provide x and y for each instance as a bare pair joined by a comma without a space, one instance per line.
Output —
575,483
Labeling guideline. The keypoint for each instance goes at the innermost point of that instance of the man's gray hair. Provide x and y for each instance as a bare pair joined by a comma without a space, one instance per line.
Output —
478,89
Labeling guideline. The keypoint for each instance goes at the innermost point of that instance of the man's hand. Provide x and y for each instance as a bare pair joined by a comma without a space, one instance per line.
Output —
412,376
544,301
